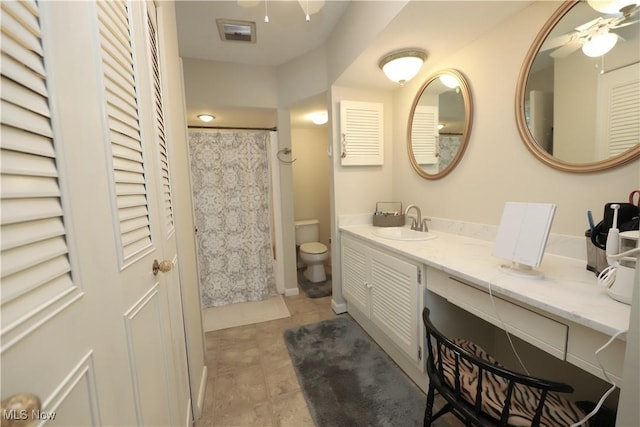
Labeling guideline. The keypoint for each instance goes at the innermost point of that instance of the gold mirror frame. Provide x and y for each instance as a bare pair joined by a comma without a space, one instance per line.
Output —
468,121
528,139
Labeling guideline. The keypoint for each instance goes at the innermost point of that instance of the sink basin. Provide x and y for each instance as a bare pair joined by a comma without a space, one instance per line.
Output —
402,233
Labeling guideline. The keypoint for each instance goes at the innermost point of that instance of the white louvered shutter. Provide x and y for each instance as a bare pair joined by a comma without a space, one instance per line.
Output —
130,188
36,272
624,125
361,127
161,135
424,134
619,110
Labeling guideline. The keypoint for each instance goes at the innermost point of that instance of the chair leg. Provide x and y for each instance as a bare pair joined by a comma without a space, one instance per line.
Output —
429,409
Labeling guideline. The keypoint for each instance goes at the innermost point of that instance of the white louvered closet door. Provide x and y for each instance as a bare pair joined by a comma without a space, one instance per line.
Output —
86,209
142,211
44,350
170,280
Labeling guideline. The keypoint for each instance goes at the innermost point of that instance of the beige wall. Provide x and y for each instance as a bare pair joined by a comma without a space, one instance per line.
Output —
311,177
230,85
497,167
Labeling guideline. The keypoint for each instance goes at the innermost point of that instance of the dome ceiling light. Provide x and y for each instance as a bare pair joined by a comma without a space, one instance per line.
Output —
402,65
319,118
206,117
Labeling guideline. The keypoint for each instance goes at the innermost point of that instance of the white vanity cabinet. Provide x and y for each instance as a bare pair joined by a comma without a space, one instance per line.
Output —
385,289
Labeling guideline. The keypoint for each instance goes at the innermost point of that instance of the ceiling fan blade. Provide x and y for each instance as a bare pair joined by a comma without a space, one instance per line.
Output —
558,41
625,24
630,10
589,24
566,50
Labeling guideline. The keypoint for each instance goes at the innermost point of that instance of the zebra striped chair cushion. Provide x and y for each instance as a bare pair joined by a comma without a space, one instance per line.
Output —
558,411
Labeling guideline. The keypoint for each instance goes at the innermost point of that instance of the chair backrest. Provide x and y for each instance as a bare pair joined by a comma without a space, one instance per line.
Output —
485,393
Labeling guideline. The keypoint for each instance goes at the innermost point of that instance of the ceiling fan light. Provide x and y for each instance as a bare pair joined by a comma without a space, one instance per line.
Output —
610,6
309,7
206,117
402,66
599,45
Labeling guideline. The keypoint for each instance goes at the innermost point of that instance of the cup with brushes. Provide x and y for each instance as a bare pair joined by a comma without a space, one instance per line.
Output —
617,218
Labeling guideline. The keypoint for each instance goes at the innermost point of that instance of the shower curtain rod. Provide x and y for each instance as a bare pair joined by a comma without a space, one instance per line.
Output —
274,129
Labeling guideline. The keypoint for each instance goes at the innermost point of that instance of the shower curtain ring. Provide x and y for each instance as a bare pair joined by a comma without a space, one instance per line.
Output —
285,151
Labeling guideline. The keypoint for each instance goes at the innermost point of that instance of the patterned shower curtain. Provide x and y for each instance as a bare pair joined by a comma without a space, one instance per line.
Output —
231,189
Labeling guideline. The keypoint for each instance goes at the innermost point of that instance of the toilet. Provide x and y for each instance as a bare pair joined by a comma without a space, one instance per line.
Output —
312,253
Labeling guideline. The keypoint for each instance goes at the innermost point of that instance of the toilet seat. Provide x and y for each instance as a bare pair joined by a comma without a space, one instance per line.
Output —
314,248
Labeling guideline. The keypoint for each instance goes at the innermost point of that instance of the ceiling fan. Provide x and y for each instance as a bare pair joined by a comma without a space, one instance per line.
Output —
597,29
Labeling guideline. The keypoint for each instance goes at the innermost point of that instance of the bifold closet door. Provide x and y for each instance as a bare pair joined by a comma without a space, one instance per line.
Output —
87,326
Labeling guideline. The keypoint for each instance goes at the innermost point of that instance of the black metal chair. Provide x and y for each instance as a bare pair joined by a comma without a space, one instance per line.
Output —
480,392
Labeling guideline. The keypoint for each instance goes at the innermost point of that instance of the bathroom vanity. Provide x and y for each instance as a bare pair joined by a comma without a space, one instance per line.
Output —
566,313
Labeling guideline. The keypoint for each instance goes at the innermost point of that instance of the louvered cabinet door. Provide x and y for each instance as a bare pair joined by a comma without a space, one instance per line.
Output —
355,286
424,135
361,133
394,300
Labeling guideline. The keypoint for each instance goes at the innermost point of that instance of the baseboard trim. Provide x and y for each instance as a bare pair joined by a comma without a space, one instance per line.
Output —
291,292
190,420
201,393
338,308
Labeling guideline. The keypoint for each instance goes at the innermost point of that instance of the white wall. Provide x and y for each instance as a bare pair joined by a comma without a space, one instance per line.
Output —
497,167
575,143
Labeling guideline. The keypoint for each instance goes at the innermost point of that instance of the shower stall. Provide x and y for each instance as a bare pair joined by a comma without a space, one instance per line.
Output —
236,209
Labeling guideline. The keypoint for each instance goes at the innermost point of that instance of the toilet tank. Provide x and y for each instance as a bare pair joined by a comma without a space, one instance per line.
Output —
307,231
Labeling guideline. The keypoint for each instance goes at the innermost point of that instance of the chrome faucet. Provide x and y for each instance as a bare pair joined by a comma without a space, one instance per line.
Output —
417,223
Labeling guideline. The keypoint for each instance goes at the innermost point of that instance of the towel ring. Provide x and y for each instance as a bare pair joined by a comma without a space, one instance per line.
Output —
285,151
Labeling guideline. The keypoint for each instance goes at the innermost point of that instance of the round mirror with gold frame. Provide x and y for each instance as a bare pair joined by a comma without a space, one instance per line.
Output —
578,110
439,124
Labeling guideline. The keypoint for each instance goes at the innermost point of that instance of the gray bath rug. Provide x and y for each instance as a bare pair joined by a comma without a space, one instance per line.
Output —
348,380
314,290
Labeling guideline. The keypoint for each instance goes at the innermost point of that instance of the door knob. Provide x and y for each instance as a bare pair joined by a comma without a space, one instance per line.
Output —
20,410
164,266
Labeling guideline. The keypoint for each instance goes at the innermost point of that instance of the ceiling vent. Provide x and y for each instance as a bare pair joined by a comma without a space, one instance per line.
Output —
239,31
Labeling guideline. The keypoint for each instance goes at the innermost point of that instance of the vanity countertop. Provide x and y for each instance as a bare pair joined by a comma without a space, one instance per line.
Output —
567,289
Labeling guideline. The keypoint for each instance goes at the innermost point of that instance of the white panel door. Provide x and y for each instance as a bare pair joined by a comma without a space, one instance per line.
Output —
86,325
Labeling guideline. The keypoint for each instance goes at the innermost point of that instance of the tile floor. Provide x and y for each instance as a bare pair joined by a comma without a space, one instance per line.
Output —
251,380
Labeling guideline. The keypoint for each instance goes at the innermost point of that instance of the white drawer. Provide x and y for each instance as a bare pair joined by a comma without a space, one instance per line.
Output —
545,333
581,351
